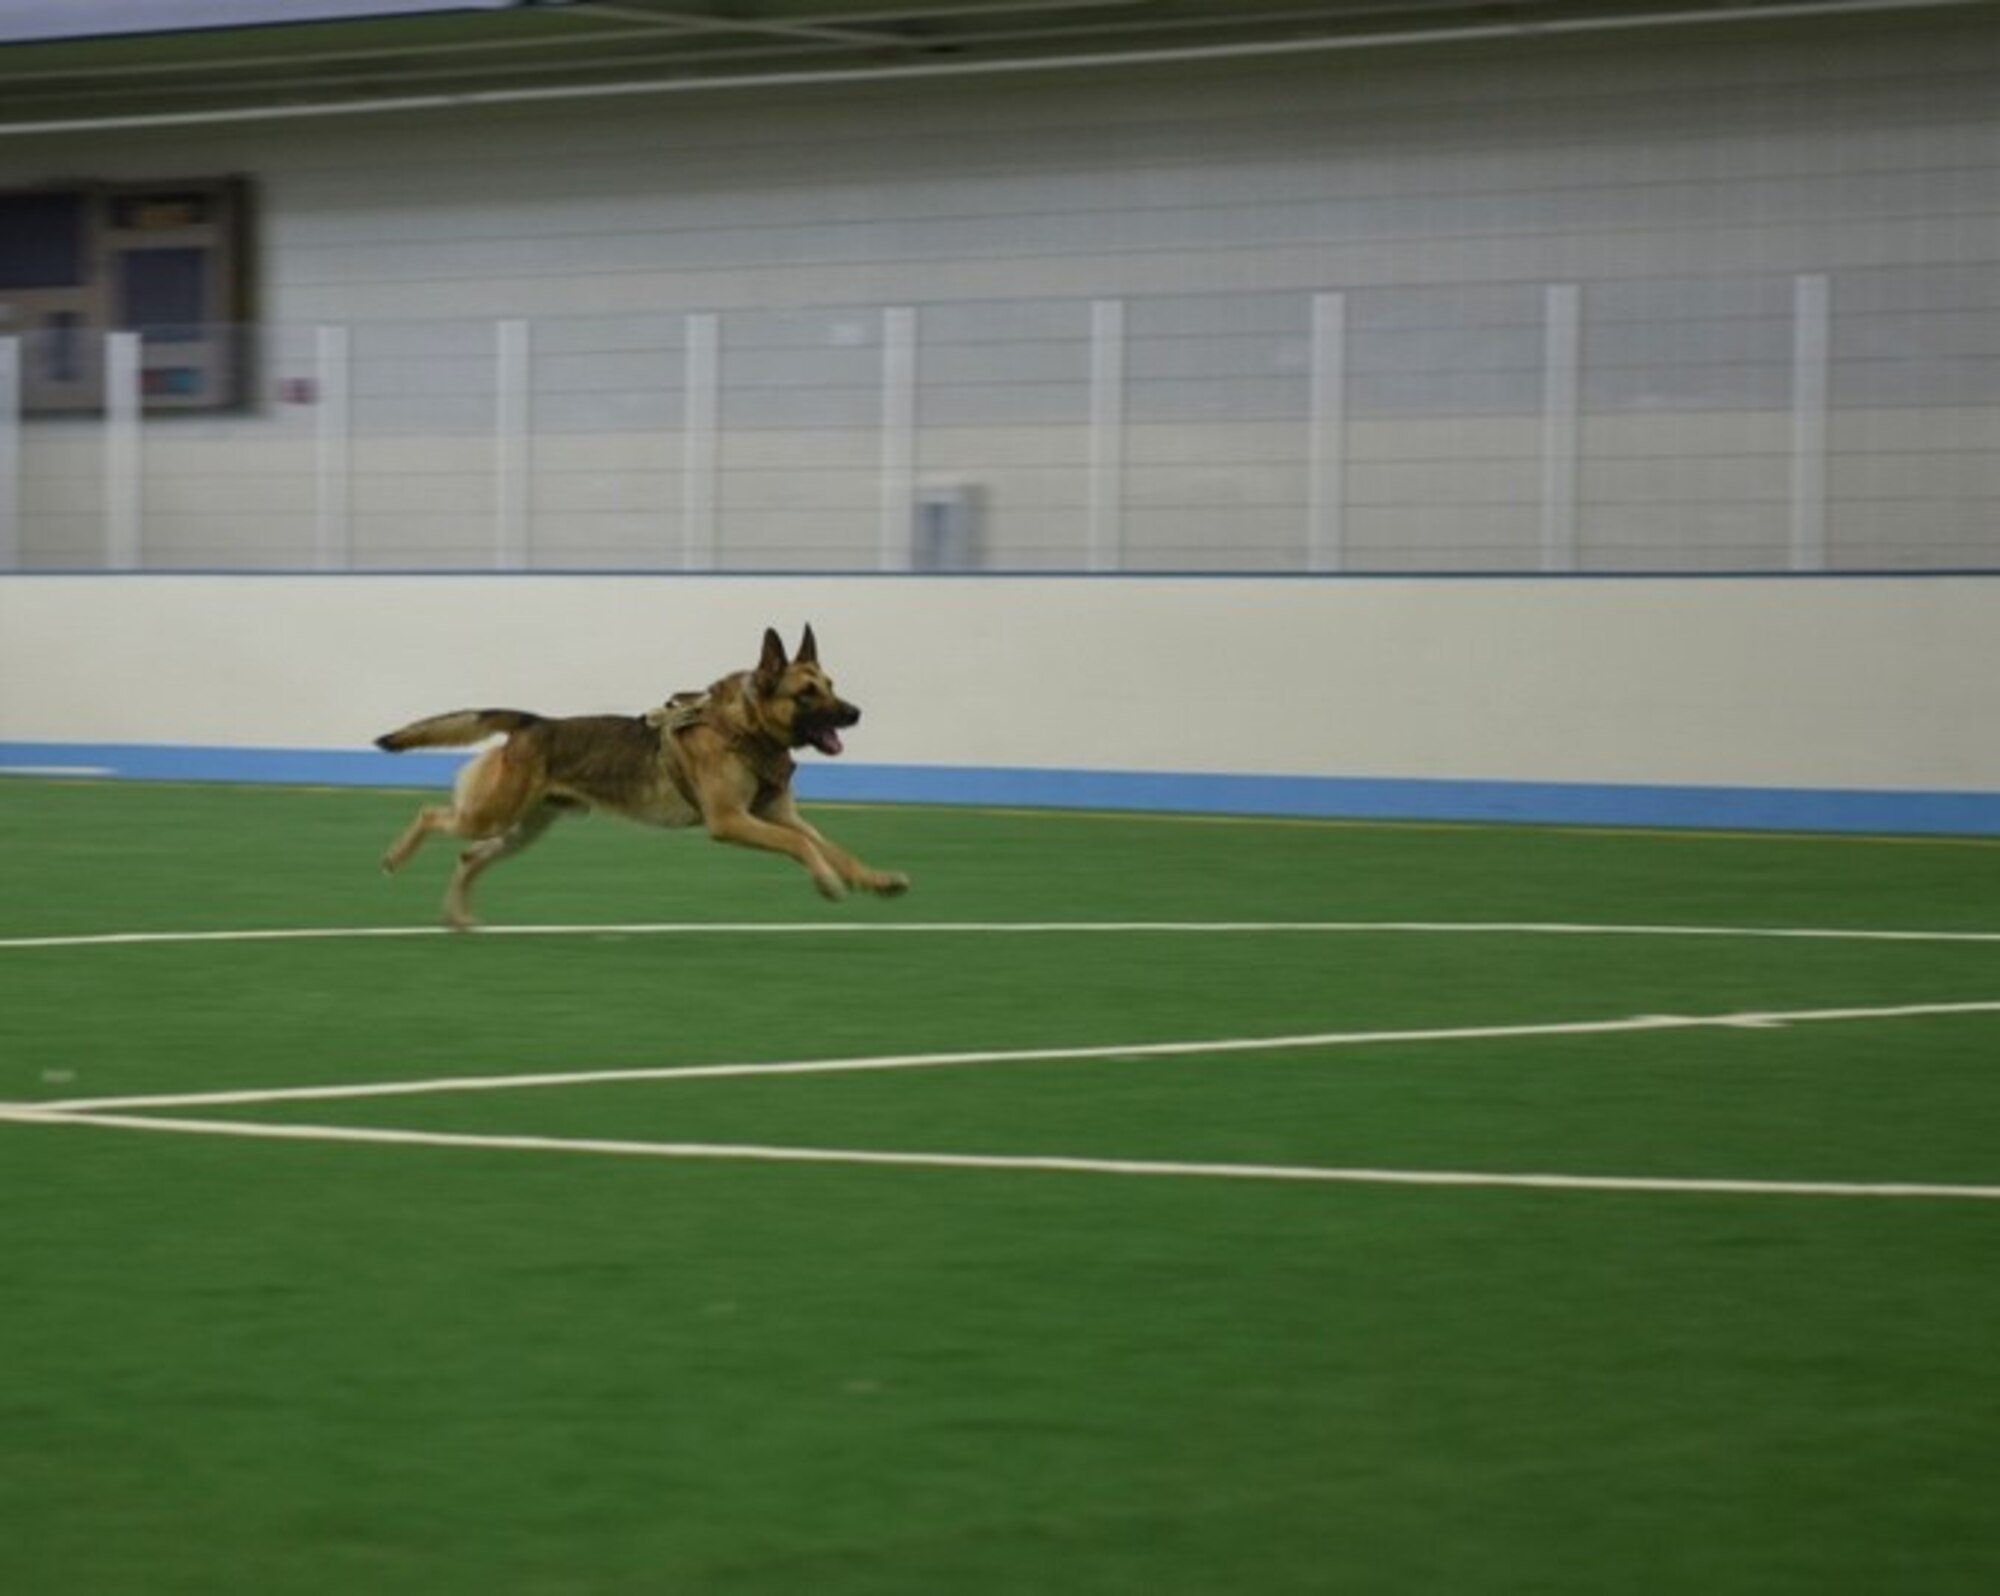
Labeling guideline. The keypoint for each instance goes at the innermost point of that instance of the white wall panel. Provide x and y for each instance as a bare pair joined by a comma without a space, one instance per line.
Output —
1866,683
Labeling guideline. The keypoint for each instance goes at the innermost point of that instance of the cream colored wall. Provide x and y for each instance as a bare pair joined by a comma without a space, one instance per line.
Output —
1860,683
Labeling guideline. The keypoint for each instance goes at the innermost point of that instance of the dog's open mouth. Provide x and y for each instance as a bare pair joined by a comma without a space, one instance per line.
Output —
820,727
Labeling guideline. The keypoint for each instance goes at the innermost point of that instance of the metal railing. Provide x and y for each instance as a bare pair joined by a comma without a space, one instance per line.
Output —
1779,422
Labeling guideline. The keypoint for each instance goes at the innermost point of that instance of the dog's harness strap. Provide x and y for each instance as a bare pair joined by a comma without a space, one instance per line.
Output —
705,708
676,715
683,709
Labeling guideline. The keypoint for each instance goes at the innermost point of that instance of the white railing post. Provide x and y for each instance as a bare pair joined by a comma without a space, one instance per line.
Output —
1562,349
10,453
123,489
510,447
1326,436
1812,308
701,409
333,529
899,435
1107,434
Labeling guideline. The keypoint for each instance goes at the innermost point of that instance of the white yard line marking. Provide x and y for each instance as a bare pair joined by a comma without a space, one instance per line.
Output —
1016,1162
107,939
1034,1055
831,1066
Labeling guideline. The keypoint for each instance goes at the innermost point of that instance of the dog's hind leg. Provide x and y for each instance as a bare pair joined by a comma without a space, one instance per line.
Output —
476,860
431,818
484,803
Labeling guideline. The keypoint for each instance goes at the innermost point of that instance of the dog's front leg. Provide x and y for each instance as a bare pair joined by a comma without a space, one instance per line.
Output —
784,812
732,822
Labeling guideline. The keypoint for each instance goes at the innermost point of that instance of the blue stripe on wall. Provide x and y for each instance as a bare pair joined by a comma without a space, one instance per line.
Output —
1333,797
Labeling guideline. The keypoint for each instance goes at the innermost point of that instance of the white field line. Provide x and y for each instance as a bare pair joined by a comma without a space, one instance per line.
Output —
1005,928
1015,1163
1034,1055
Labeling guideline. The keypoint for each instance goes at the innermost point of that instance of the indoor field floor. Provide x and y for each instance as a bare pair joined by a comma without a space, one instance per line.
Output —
1143,1204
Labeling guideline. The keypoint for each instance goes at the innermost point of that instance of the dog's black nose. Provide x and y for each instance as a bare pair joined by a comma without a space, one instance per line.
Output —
850,715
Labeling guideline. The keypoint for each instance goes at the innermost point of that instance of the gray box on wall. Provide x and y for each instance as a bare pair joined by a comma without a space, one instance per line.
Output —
947,521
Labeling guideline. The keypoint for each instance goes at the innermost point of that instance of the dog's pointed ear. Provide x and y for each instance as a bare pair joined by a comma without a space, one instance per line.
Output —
773,660
808,647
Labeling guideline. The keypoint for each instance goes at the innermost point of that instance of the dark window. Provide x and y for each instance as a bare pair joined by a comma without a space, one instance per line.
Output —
163,293
41,241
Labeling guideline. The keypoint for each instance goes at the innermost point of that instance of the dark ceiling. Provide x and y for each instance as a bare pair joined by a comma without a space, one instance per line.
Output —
439,57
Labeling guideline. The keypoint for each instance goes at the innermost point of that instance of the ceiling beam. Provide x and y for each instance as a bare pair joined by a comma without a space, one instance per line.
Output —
1444,34
684,23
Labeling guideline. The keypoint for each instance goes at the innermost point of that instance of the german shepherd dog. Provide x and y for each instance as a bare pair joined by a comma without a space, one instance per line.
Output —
720,759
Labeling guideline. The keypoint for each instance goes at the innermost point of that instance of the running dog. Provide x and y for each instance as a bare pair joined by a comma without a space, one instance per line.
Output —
721,759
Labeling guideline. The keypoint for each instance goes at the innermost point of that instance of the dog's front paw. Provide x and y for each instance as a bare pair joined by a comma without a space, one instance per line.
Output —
889,883
830,886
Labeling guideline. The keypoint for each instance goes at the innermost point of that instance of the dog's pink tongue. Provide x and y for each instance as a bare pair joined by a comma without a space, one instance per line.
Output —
829,741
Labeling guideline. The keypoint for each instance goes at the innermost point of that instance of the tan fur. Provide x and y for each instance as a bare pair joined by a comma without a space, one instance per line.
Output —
720,759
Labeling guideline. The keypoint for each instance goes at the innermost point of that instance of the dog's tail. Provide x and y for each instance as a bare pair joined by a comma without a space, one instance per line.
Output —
456,729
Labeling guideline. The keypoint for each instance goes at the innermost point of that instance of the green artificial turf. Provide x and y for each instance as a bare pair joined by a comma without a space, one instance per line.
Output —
249,1366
